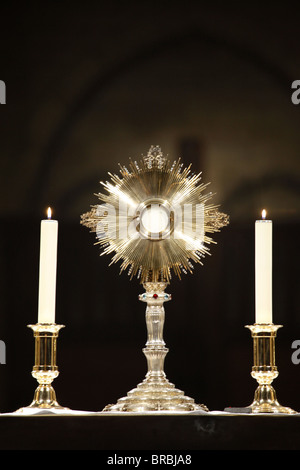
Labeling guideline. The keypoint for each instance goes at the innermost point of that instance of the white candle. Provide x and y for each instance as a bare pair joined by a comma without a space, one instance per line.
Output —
263,270
47,275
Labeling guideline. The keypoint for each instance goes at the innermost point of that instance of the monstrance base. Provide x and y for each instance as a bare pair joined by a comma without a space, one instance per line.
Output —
265,401
155,395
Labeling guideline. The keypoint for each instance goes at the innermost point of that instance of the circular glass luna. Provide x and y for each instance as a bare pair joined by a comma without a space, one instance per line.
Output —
154,220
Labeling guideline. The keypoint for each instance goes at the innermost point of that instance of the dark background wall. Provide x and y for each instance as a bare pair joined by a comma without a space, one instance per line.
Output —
90,85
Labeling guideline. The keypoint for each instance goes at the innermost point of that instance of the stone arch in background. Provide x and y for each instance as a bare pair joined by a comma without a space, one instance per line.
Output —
105,80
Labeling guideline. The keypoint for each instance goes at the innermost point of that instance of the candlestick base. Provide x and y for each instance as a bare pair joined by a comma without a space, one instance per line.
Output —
264,370
45,369
45,397
265,401
155,393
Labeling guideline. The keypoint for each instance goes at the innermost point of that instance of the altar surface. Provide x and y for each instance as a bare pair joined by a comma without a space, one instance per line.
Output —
153,432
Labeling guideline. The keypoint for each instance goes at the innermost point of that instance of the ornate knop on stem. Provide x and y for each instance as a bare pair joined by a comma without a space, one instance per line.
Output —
155,350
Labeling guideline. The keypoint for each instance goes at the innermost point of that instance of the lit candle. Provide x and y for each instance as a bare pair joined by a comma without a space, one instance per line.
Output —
263,270
47,275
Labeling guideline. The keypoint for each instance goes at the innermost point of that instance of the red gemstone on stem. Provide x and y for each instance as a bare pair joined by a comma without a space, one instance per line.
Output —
155,296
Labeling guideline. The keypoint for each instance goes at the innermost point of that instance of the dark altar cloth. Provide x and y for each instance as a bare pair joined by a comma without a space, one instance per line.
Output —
154,432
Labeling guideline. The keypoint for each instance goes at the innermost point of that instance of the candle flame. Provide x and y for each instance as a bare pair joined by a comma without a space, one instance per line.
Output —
264,213
49,213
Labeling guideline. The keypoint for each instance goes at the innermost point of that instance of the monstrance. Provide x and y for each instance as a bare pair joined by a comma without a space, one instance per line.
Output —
155,219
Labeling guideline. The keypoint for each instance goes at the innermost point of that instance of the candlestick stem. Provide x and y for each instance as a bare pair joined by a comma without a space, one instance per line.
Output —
264,369
155,393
